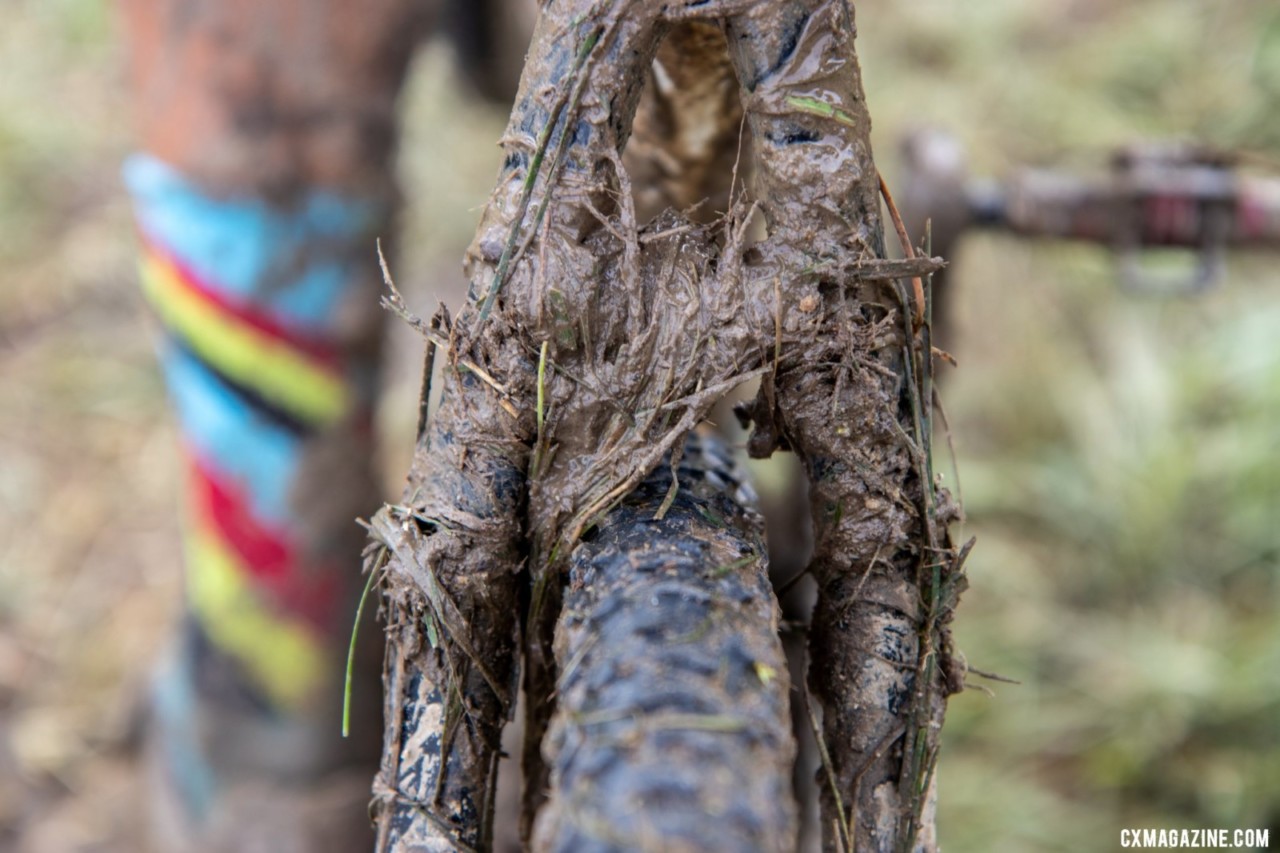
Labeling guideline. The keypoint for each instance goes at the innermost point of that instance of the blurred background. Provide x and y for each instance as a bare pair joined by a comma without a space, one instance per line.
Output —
1119,457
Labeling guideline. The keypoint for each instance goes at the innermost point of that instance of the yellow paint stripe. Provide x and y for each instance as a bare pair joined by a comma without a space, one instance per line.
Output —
244,354
286,659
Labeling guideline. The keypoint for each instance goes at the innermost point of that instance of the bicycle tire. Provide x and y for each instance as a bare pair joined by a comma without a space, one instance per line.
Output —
672,728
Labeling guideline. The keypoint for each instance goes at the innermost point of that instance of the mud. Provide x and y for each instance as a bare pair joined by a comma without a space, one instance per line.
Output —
672,730
452,552
593,344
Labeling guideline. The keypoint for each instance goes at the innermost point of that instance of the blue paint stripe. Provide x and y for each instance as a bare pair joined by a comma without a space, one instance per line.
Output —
297,263
174,704
268,411
260,457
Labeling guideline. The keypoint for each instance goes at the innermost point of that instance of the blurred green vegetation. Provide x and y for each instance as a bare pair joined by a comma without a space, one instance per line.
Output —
1119,457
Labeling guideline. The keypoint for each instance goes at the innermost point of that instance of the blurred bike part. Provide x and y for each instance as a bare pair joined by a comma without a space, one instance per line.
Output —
267,132
273,97
1155,195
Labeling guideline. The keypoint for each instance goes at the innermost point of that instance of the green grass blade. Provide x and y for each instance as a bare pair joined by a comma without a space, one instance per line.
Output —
351,650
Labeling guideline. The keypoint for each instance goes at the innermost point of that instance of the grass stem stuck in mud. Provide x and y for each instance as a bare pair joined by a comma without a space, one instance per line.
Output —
369,583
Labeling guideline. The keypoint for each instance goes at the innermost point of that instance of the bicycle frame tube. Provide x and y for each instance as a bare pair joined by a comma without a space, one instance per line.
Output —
593,344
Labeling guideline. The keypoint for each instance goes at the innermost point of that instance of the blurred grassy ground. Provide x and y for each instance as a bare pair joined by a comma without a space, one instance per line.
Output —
1120,458
88,546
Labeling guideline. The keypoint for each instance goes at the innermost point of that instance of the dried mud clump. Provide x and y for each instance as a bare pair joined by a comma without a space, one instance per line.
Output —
591,347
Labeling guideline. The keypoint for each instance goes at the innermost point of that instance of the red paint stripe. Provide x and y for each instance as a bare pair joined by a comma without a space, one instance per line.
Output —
323,352
267,557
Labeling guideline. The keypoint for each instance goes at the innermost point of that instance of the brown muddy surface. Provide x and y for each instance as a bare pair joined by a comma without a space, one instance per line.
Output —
594,343
671,730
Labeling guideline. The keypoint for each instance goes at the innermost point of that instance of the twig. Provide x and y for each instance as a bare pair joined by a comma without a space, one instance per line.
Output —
916,286
654,236
781,590
951,450
881,269
992,676
844,835
670,498
424,394
540,411
394,302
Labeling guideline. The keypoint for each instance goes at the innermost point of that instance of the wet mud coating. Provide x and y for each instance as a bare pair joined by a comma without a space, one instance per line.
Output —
671,731
592,345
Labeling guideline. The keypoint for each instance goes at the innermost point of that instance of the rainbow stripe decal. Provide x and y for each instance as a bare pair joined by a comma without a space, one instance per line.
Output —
301,376
251,296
